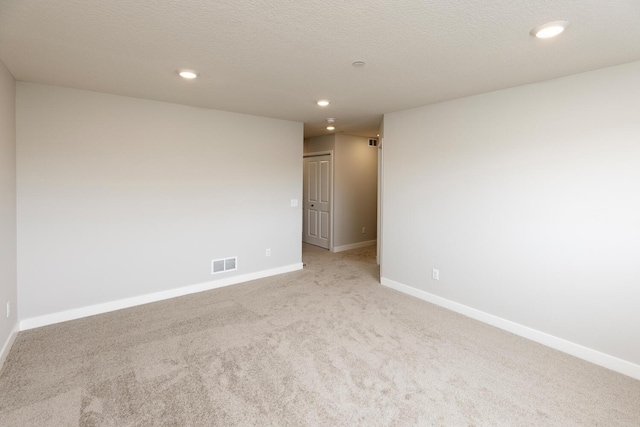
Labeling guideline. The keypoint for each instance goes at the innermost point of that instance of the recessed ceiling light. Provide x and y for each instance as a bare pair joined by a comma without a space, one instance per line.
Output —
187,74
331,128
323,103
550,29
331,120
359,64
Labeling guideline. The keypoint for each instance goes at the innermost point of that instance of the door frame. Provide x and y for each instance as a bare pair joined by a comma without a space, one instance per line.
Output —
380,201
331,186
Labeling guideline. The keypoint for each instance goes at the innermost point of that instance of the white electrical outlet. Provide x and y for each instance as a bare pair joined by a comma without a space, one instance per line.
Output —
294,203
268,252
8,308
435,274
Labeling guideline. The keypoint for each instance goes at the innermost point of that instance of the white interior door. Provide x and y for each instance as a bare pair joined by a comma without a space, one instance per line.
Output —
316,207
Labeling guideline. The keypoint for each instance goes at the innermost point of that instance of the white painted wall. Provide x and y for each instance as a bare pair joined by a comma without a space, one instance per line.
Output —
8,283
355,173
528,202
120,197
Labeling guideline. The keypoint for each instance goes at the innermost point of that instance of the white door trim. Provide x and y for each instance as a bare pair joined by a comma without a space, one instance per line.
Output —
380,200
331,197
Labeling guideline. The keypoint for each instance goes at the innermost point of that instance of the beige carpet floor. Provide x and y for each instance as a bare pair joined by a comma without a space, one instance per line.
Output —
325,346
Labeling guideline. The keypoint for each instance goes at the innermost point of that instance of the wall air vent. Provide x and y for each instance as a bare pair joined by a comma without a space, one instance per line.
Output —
223,265
373,143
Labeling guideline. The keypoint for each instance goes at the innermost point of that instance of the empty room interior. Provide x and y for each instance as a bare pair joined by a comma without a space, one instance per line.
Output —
305,213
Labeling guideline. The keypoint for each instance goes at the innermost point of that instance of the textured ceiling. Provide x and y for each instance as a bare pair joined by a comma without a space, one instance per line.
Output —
274,58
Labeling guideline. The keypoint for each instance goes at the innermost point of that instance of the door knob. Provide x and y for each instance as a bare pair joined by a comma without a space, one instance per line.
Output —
311,205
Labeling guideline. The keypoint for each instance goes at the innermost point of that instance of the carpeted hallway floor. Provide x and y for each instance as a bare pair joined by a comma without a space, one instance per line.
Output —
325,346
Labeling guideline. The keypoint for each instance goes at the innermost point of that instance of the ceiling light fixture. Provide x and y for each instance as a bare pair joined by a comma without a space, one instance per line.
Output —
550,29
331,120
187,74
323,103
359,64
331,128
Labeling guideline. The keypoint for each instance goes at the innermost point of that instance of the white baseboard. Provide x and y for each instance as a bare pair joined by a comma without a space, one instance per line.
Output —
354,246
590,355
7,345
77,313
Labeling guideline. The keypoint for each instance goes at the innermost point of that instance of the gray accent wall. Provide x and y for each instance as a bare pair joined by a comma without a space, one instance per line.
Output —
8,281
320,144
528,202
356,190
121,197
